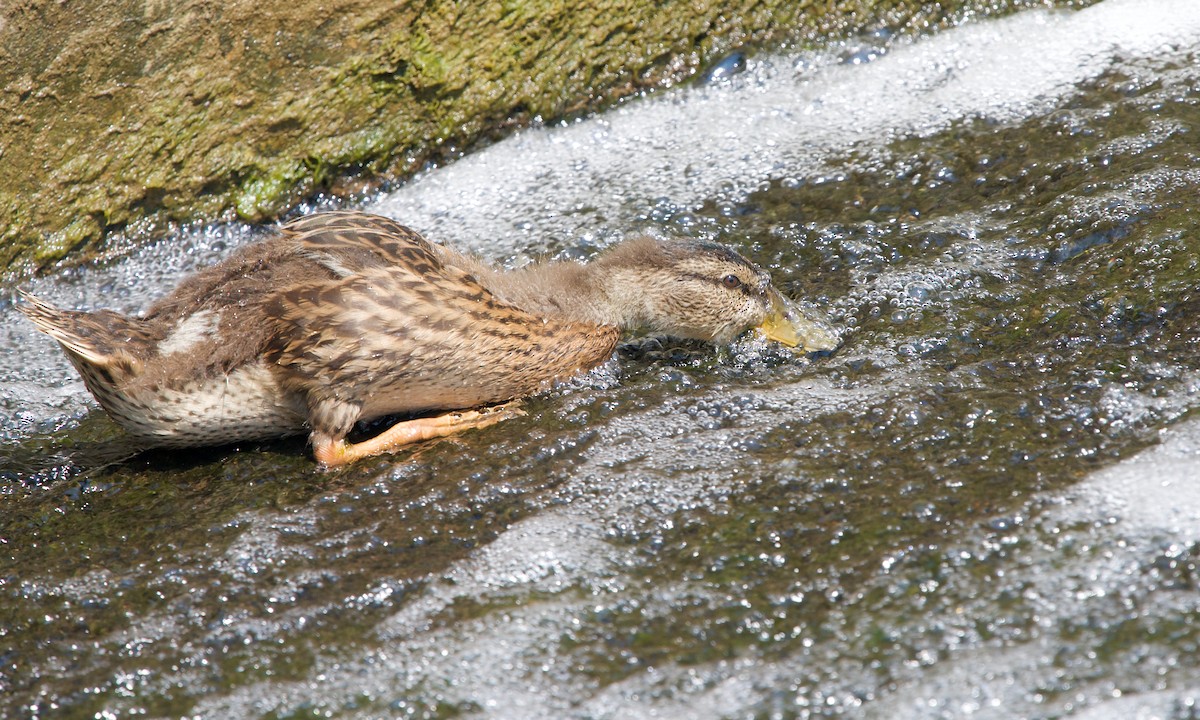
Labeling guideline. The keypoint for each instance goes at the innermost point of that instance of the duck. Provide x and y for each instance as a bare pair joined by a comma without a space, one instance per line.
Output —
346,317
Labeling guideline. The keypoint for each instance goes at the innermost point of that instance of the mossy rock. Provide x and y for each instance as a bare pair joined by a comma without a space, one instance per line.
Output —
120,118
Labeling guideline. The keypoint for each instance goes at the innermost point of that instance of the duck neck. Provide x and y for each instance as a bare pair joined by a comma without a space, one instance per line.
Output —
602,292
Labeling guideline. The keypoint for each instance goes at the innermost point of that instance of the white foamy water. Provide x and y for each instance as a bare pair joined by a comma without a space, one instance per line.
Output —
783,118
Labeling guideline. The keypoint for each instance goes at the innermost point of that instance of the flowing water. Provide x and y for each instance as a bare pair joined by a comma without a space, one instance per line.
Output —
985,504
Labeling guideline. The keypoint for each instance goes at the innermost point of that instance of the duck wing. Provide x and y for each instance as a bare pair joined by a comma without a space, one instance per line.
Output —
347,243
400,328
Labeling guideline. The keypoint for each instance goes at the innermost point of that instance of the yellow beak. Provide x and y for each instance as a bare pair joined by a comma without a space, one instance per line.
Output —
787,324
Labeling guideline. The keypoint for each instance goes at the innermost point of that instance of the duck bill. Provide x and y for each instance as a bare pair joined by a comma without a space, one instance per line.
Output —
787,324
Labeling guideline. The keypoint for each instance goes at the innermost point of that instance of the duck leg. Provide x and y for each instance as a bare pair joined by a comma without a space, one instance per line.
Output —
332,452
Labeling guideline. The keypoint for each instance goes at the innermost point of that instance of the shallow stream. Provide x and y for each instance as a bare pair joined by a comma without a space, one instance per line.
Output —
986,504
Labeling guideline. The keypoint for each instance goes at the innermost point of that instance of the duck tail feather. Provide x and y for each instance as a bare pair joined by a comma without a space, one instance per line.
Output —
100,338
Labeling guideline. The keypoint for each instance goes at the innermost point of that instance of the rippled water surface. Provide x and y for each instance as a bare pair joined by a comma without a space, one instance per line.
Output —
985,504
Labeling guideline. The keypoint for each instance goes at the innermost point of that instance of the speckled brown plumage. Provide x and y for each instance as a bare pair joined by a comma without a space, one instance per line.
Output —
346,316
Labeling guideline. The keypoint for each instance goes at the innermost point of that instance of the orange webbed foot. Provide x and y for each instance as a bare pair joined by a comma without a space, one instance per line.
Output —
334,452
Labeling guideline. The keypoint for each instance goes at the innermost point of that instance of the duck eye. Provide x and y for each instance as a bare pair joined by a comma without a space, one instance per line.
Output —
733,282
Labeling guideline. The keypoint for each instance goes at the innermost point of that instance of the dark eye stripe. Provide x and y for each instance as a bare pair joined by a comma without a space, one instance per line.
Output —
744,288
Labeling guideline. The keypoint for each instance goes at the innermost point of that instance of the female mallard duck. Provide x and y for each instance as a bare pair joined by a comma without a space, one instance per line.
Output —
346,316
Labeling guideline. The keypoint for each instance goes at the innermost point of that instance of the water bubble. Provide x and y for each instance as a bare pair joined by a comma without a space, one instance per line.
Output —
724,69
919,290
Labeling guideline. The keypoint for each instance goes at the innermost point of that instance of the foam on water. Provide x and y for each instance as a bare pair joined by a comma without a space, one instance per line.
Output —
782,119
1156,491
